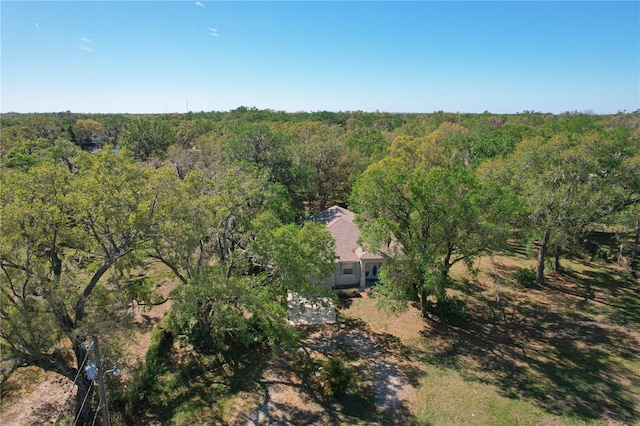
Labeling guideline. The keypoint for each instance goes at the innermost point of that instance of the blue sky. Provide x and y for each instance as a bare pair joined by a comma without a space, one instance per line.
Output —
502,57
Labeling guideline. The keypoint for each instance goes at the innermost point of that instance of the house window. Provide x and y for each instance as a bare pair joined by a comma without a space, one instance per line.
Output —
347,268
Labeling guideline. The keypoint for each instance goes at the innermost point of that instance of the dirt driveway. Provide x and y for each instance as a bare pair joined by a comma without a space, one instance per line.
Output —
384,376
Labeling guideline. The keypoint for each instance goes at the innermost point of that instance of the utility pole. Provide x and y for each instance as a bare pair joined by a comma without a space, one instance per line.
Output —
104,404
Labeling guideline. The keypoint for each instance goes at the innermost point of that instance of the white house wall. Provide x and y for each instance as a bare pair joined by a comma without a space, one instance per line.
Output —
341,279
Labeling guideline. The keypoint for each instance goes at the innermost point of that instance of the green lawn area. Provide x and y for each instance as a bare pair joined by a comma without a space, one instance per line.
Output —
568,353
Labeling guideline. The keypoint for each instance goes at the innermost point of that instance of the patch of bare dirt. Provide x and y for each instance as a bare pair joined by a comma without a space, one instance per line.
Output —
32,396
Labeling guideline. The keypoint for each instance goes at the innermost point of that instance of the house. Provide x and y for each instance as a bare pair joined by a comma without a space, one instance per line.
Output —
355,267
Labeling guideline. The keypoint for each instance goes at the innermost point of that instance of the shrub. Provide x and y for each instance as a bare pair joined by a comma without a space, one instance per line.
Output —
334,377
452,311
525,277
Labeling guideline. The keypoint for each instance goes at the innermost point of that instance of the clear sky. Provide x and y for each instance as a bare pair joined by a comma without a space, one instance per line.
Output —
144,56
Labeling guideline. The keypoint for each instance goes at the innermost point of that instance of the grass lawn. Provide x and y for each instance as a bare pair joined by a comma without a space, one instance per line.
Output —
568,353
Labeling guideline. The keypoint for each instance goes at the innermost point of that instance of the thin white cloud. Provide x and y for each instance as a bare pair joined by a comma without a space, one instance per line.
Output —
38,26
86,41
199,3
83,48
213,32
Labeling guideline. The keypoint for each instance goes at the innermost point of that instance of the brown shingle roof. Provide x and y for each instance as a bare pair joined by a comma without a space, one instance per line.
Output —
339,222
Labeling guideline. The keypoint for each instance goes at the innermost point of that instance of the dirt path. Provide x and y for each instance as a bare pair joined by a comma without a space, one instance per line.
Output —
287,400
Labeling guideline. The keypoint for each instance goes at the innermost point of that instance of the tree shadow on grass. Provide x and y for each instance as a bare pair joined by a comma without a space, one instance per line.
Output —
559,358
515,248
618,290
276,411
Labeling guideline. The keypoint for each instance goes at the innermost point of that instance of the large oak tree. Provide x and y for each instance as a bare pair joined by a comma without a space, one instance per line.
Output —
430,211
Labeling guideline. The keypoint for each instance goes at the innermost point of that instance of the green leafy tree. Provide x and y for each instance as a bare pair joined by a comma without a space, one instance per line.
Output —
206,155
321,153
147,137
187,131
230,241
364,147
269,150
85,130
26,154
429,213
207,218
231,307
567,182
39,126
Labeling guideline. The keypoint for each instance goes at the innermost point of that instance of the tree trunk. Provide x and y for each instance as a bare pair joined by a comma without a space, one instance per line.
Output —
620,260
634,248
556,258
541,255
205,329
416,292
323,198
446,264
424,303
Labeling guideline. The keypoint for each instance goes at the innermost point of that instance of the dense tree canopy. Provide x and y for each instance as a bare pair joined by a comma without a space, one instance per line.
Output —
147,138
242,302
567,182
